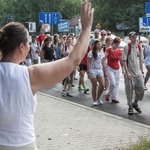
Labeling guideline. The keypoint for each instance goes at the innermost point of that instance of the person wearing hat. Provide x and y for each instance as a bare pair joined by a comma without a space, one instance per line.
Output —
133,64
64,37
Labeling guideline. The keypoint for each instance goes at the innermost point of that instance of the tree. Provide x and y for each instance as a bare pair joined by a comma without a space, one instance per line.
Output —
110,13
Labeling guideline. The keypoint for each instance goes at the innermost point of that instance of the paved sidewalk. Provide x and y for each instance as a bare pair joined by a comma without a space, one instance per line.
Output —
63,125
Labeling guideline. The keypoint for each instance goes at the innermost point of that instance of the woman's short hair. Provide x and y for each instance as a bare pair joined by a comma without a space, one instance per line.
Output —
116,40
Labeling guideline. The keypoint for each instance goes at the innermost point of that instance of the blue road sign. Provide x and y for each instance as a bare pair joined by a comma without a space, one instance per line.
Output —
63,26
146,21
55,18
49,17
147,8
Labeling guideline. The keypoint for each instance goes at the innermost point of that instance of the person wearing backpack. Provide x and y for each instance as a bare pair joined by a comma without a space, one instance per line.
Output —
133,64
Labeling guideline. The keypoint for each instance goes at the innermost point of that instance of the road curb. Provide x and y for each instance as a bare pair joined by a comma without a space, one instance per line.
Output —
98,111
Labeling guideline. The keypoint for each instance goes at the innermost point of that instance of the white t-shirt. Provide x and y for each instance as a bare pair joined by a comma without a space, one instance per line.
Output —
34,47
96,64
147,57
17,106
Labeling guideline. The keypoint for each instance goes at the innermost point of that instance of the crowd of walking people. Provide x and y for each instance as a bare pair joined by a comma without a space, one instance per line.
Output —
102,63
100,57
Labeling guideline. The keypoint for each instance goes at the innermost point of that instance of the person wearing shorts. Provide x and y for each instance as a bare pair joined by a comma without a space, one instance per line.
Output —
82,70
95,72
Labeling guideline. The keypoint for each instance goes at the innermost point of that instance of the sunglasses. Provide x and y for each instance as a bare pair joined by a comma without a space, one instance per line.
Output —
103,34
108,33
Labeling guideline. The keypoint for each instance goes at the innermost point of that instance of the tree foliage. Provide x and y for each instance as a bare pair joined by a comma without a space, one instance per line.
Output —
108,13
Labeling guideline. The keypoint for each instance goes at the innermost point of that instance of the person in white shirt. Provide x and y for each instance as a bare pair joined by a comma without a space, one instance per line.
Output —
147,62
34,49
95,71
19,84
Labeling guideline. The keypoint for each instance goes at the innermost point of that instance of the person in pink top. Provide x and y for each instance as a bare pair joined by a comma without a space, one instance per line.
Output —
111,69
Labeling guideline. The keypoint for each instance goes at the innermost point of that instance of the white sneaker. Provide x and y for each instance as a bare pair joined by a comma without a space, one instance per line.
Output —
145,88
100,102
64,93
95,103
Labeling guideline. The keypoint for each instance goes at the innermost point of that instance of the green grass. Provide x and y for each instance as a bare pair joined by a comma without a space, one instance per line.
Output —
142,144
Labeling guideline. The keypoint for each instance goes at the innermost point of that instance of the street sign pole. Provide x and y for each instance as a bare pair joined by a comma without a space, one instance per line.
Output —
52,29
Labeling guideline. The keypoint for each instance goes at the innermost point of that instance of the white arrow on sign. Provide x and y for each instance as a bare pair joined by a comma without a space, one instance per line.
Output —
142,27
41,21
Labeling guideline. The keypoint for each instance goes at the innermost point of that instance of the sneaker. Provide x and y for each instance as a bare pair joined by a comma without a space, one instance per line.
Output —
130,111
64,93
145,88
135,106
72,85
95,103
75,78
69,94
115,101
80,88
100,102
86,90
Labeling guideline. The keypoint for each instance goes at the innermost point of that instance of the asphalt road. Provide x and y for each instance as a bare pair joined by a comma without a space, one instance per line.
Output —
120,109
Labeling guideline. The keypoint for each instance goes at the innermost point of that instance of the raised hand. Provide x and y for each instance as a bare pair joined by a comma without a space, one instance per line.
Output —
86,15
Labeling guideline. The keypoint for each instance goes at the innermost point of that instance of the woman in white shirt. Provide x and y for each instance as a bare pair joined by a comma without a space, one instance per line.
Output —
95,71
19,84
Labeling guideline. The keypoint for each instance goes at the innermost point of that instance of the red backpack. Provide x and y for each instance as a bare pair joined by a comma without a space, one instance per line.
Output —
129,48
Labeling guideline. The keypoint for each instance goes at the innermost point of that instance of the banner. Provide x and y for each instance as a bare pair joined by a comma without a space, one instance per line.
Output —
32,26
47,27
63,26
